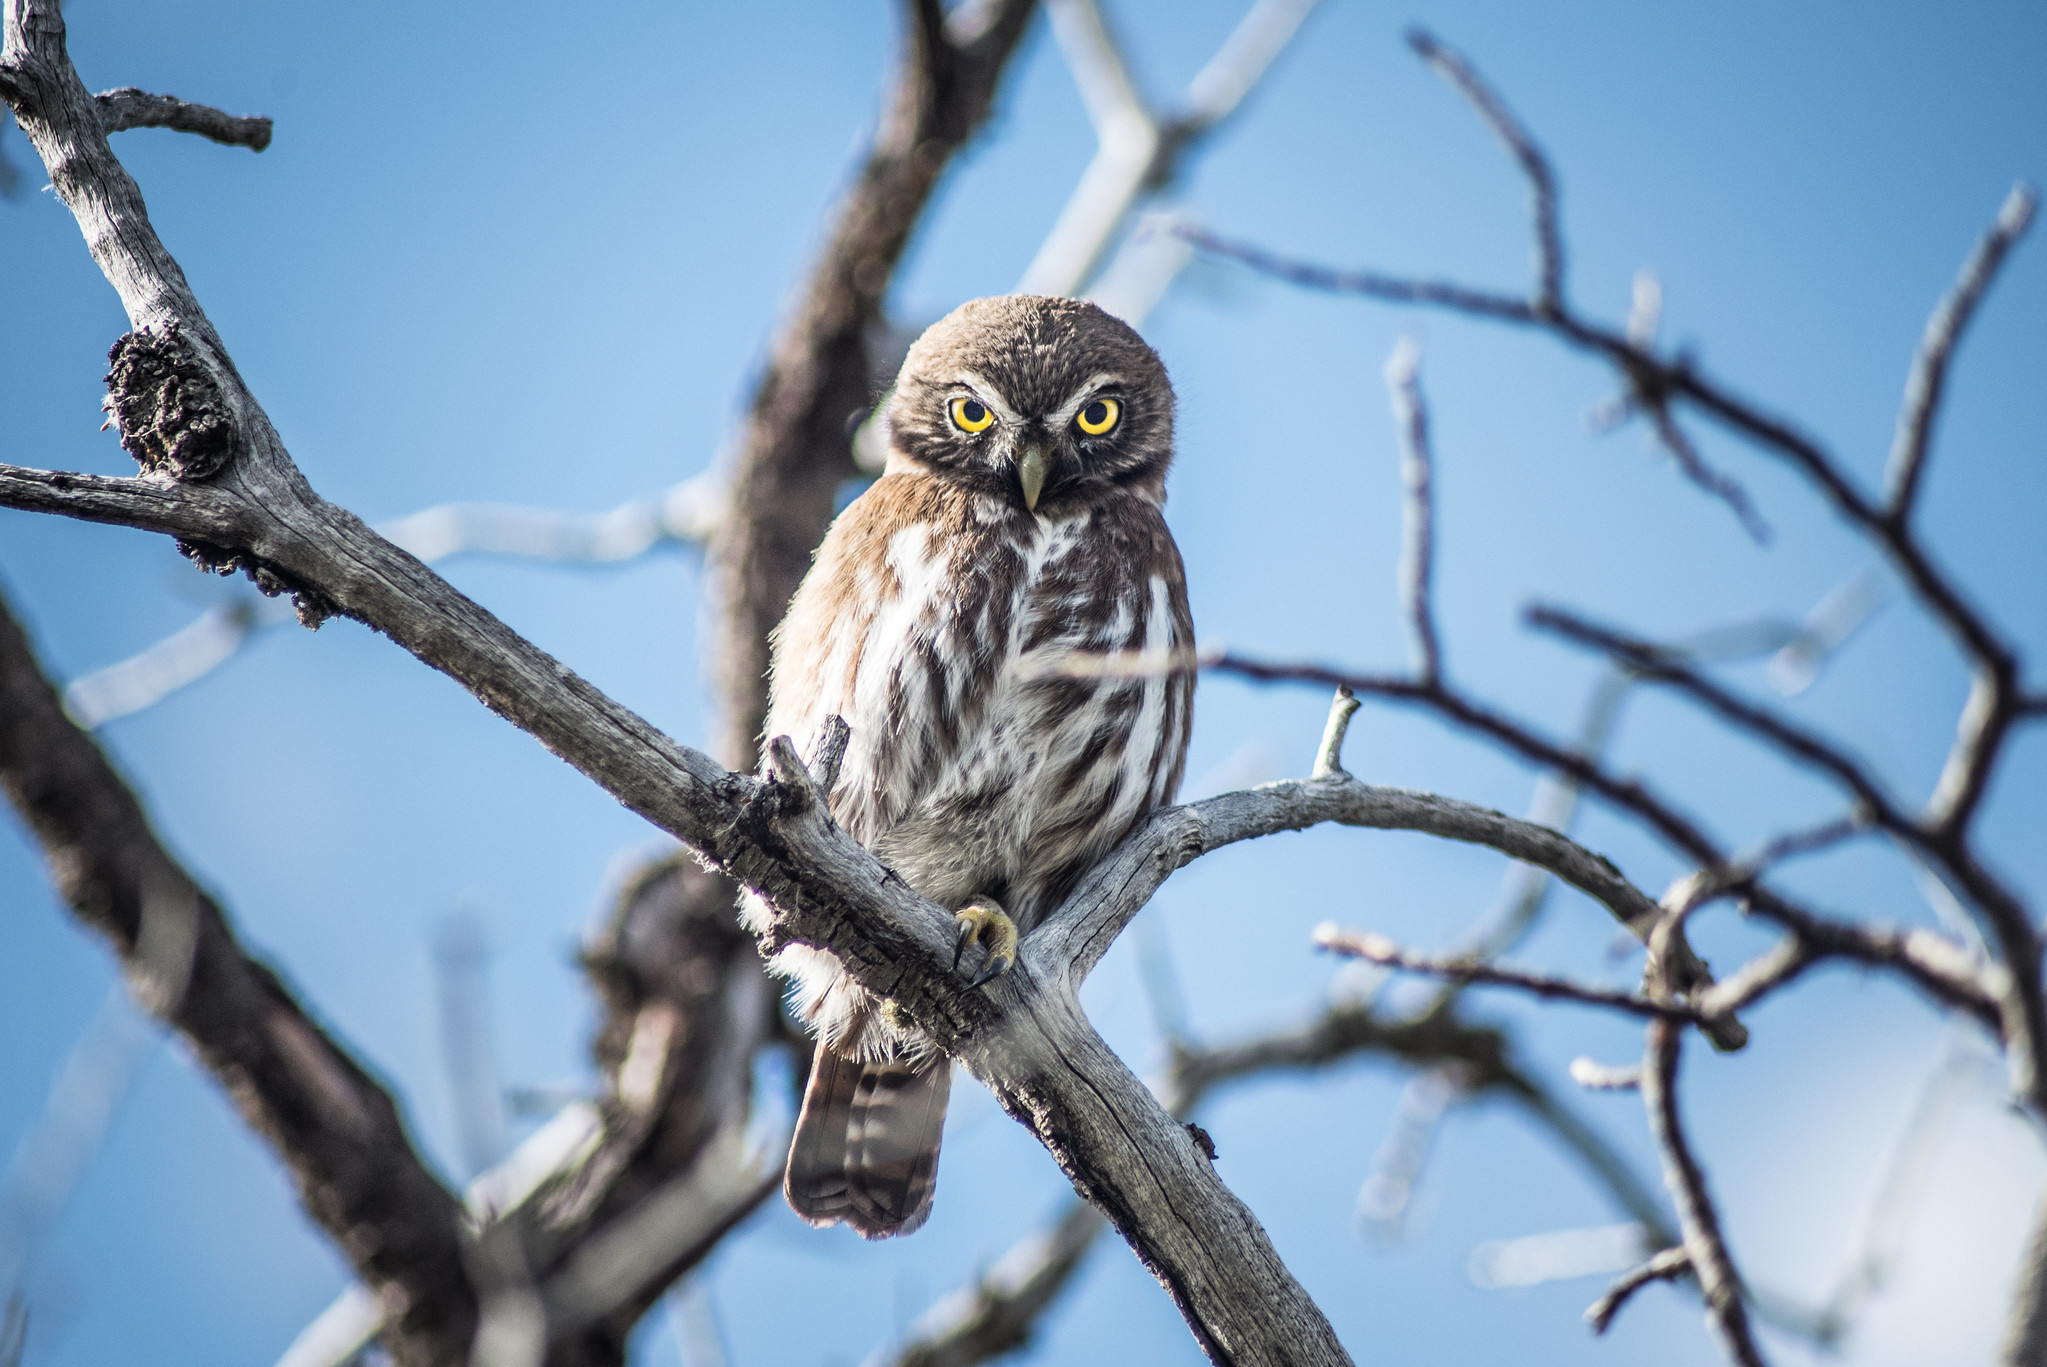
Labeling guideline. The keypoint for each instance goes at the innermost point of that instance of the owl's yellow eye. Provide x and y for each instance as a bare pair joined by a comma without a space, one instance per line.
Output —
1099,416
971,415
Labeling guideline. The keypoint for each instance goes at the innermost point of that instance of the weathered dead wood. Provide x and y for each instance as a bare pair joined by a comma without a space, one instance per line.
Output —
334,1126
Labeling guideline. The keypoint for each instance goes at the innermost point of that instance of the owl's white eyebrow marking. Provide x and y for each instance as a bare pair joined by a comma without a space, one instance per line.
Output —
988,394
1088,387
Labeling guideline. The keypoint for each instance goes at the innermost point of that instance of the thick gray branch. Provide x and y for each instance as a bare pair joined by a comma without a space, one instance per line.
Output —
1076,936
131,108
1025,1037
337,1130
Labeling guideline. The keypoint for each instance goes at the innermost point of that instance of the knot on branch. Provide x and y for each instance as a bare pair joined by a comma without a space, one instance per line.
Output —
313,606
171,414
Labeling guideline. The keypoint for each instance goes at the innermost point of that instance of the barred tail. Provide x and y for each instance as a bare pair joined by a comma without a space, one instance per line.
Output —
866,1145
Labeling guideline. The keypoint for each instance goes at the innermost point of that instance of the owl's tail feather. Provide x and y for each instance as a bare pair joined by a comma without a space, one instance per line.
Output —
866,1145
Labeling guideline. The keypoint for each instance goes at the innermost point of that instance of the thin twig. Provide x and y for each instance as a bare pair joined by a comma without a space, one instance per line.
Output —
1928,380
1603,1077
1380,950
1417,511
1329,754
1660,665
1942,968
1719,1284
1542,181
1721,486
1668,1265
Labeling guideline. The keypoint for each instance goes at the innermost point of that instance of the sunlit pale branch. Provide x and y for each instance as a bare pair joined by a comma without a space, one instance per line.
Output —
1556,1255
468,1054
1542,181
1380,950
1928,380
1603,1077
95,1080
683,516
131,108
2025,1333
1141,151
995,1314
1417,509
1403,1156
1904,1181
1668,1265
1329,754
1705,1249
699,1332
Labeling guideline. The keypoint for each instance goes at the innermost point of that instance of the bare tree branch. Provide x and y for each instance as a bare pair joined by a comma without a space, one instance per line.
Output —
1329,753
1719,1284
1659,665
247,506
1380,950
2025,1333
1542,181
1928,380
1939,966
1679,378
131,108
995,1315
1601,1077
333,1125
1668,1265
1141,151
1417,512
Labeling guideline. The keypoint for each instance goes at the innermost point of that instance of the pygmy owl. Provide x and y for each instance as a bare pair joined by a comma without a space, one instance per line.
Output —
1019,523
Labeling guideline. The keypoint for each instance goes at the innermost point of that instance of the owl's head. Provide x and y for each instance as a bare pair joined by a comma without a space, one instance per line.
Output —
1048,402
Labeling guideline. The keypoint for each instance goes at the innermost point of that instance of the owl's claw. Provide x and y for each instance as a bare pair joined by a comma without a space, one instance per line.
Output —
982,922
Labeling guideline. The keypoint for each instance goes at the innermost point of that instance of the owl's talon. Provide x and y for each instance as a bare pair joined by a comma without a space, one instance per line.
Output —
983,922
997,965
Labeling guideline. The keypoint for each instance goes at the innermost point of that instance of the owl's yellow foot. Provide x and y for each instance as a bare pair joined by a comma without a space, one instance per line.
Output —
981,921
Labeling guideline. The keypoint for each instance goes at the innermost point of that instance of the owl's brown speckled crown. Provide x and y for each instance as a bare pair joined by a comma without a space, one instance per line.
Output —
1030,357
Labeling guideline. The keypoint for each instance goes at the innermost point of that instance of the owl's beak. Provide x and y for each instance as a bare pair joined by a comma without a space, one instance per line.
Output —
1030,473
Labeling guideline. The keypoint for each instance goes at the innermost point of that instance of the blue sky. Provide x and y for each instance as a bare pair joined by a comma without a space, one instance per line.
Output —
520,253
